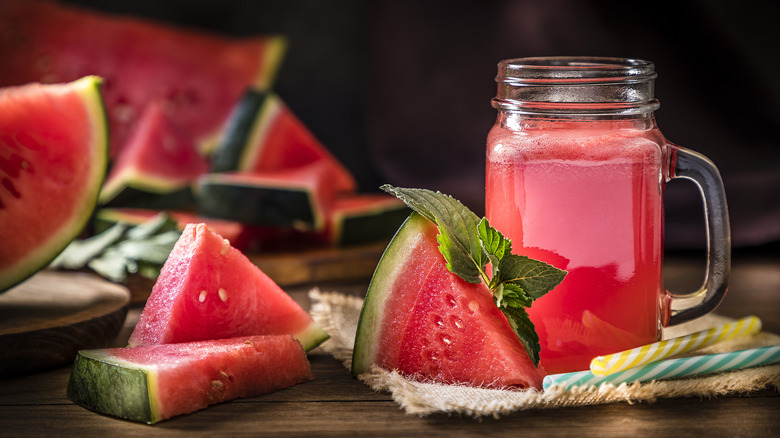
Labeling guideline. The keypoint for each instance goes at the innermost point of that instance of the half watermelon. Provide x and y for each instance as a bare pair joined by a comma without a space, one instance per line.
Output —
209,290
53,155
198,76
429,324
150,384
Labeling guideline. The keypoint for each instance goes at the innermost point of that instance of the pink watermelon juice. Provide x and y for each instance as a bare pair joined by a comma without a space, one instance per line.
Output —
585,197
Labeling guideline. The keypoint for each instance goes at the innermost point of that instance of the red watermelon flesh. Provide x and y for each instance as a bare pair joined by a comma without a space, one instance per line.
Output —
209,290
427,323
280,140
157,382
159,158
198,76
53,153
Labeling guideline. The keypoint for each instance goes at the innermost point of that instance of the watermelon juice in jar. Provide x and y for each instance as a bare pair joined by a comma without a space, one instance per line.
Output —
576,169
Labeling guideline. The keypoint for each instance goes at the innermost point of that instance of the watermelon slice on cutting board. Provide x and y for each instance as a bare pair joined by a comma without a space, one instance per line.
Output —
157,167
153,383
263,135
53,155
209,290
429,324
198,76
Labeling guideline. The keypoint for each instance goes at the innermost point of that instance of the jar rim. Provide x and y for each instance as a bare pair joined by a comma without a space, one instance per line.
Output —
568,69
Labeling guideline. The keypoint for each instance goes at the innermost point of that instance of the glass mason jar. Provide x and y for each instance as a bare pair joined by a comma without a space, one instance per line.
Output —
576,170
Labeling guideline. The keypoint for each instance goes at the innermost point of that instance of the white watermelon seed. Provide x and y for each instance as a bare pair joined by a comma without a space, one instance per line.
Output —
202,296
223,295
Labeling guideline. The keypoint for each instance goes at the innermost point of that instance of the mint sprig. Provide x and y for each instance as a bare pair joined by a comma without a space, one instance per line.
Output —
469,244
123,250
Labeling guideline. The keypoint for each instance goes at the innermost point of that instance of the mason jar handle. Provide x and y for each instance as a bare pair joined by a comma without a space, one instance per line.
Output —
679,308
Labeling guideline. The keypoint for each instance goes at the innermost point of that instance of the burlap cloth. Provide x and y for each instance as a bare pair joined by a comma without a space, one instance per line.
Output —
338,314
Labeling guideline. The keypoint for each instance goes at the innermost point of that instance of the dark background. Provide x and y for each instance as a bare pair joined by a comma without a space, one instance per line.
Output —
400,90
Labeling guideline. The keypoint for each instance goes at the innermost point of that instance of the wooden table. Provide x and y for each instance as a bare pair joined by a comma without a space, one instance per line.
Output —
335,404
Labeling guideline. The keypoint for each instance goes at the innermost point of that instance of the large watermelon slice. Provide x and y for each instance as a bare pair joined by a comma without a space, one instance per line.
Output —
198,76
265,135
209,290
427,323
53,153
150,384
157,167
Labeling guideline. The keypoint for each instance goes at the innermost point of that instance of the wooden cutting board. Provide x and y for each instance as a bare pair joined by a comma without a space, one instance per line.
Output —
48,318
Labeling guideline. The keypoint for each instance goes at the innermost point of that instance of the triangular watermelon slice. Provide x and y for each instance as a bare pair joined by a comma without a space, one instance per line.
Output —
209,290
157,167
53,154
264,134
429,324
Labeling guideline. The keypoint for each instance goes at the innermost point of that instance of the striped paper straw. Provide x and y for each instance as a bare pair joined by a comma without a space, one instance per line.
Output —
613,363
667,369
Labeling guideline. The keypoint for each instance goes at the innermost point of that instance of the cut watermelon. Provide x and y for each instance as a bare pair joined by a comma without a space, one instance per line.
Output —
157,167
209,290
362,218
53,153
293,198
429,324
198,76
263,134
236,233
153,383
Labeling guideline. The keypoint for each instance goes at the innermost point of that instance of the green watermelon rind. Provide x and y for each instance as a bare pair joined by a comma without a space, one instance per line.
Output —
258,201
389,268
88,88
311,337
358,226
96,379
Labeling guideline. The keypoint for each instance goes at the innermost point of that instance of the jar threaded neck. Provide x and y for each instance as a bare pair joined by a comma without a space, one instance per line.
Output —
576,86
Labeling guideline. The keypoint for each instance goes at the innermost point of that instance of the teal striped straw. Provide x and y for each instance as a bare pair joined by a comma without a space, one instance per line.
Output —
667,369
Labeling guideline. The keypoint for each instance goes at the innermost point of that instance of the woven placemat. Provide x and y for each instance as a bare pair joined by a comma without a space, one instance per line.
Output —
338,314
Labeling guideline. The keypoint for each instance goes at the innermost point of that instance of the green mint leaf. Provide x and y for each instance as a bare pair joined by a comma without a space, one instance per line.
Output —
458,236
514,296
123,249
496,246
79,252
536,278
525,331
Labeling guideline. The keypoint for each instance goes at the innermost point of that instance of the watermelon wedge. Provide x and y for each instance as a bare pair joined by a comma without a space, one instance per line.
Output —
291,198
53,155
150,384
209,290
428,324
157,167
263,134
198,76
358,218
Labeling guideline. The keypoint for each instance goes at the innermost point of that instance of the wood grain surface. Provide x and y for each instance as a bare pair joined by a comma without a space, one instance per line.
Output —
336,404
48,318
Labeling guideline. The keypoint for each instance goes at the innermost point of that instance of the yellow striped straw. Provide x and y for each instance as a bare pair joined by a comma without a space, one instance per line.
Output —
613,363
